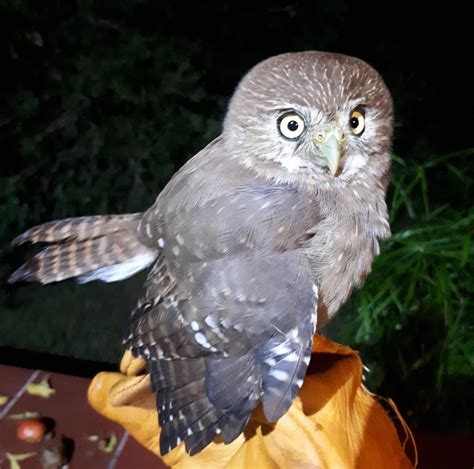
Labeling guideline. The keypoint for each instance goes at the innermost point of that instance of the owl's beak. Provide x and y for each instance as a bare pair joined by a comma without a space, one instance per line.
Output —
329,144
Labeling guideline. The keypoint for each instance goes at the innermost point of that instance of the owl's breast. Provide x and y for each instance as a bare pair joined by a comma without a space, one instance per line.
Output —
341,252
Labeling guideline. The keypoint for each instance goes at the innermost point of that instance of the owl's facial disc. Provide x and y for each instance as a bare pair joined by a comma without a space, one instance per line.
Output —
328,140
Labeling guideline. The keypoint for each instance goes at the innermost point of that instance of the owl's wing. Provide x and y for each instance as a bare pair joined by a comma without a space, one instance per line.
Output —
228,316
242,334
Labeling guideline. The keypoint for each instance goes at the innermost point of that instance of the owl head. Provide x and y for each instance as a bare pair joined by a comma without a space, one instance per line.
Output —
317,118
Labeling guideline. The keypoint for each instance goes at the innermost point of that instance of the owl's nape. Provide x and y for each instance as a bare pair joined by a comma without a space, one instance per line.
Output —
258,238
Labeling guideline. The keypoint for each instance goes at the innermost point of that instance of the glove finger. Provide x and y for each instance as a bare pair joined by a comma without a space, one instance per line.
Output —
139,417
130,365
130,391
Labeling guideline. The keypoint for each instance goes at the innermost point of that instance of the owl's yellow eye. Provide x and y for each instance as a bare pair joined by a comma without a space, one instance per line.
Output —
291,125
357,122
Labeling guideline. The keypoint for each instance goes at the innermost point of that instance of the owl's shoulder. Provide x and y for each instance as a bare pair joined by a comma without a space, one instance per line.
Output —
213,175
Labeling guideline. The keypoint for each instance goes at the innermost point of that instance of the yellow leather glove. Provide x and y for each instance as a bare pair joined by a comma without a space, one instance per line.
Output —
334,421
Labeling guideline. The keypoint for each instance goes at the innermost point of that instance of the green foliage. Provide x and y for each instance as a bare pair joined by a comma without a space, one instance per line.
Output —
67,319
415,324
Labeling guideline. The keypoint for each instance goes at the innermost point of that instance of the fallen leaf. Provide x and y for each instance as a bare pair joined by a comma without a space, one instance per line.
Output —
24,415
93,438
107,445
42,389
3,400
16,458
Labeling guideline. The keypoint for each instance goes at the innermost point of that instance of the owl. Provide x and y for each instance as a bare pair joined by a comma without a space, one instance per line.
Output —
254,243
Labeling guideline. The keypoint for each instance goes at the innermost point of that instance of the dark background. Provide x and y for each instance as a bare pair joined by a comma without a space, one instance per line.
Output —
101,101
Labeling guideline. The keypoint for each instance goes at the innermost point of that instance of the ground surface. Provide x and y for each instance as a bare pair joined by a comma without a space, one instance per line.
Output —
73,417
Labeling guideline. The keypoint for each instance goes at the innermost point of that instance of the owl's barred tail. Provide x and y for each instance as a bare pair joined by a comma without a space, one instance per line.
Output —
107,248
192,410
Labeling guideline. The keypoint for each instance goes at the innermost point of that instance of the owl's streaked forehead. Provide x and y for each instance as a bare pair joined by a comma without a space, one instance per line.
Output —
317,80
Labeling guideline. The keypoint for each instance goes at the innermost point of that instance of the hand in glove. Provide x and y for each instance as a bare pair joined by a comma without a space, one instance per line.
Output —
333,422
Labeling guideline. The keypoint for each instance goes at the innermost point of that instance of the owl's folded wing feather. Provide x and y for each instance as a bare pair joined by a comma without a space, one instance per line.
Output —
240,333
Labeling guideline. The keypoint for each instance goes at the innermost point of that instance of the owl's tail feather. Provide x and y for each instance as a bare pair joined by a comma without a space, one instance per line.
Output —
107,248
200,398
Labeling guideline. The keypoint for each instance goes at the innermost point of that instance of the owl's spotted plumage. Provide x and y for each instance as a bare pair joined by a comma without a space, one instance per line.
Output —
257,240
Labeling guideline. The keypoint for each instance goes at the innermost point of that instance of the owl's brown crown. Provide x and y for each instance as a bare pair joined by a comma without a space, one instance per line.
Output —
322,80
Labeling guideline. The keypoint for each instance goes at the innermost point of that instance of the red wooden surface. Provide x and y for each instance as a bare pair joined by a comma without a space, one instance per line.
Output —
128,458
11,381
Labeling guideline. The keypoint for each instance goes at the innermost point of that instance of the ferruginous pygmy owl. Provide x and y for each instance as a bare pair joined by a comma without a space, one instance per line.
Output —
255,242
